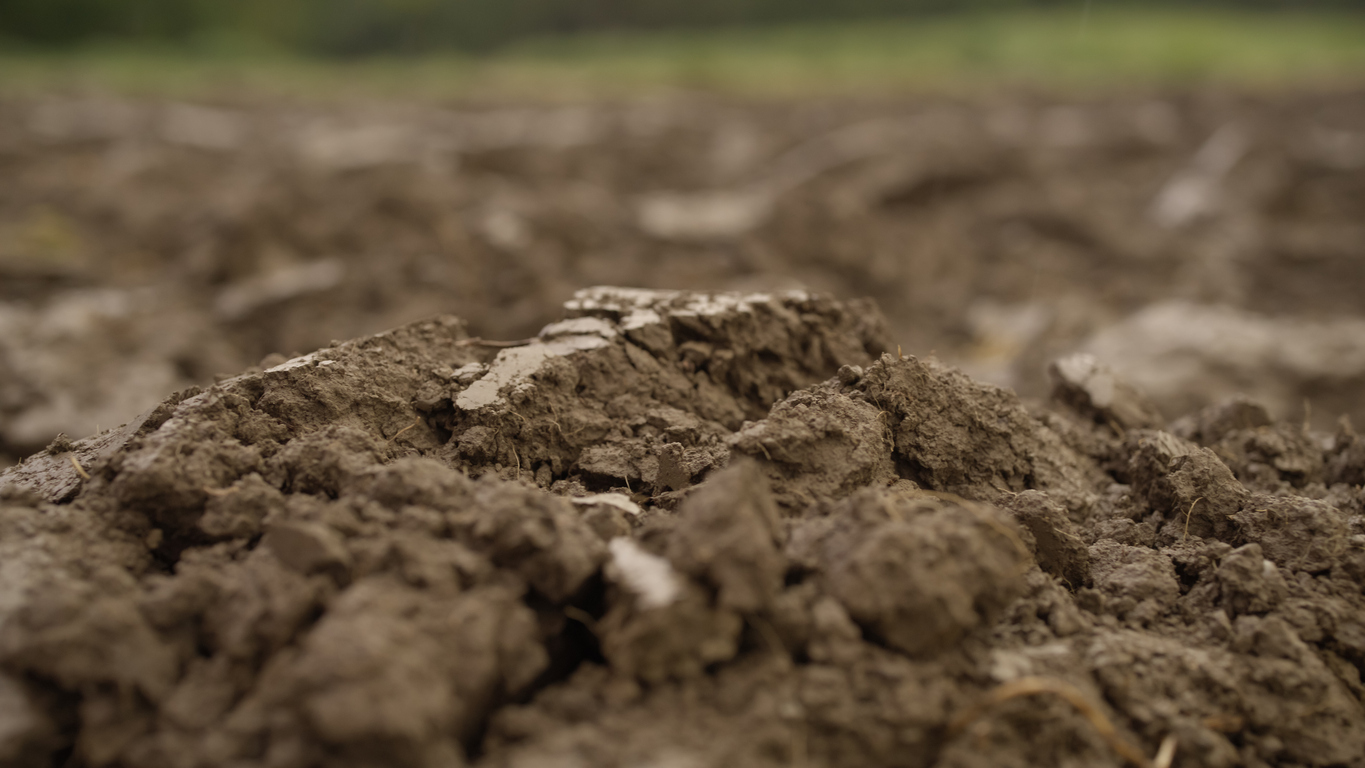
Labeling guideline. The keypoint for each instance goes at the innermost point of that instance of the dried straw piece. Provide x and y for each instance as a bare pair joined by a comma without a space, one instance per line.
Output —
79,469
1031,686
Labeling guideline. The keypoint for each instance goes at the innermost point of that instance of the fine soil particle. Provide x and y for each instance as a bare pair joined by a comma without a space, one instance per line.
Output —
680,529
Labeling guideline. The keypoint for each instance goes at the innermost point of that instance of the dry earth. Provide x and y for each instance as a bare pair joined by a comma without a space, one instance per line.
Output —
681,529
1201,243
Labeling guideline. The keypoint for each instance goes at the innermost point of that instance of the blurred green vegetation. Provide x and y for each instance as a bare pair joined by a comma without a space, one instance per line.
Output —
1065,45
361,27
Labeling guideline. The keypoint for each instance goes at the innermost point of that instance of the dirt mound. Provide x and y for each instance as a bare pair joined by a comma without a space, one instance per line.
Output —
680,529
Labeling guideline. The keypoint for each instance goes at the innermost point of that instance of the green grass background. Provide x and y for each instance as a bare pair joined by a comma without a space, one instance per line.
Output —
1075,48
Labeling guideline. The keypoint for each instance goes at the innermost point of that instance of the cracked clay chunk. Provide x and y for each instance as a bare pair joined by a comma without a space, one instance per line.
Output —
1295,533
383,673
926,573
1056,546
1249,582
820,443
660,625
637,383
726,536
958,435
1096,391
1135,581
1211,424
1187,484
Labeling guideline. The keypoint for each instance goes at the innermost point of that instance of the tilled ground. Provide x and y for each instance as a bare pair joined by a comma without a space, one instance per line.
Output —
681,529
1202,243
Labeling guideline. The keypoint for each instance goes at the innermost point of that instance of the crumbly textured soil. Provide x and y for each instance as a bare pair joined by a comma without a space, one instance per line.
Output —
680,529
1202,242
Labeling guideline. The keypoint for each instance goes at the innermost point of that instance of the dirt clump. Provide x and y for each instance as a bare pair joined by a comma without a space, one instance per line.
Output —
679,528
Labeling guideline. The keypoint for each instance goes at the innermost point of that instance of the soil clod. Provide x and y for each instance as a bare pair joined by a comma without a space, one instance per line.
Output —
686,529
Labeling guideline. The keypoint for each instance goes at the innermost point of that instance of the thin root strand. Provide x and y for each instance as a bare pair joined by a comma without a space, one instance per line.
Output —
1188,513
405,429
79,469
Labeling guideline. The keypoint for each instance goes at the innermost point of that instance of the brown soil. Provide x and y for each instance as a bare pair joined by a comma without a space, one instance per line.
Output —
1202,244
688,530
677,529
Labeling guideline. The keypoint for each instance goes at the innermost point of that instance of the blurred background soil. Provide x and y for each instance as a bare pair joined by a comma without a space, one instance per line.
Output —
1202,232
